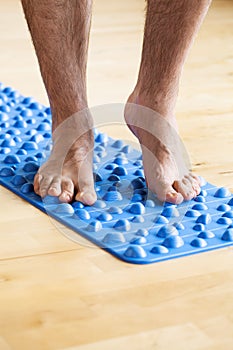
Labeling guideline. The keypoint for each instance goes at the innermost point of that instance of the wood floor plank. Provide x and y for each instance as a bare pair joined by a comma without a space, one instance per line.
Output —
94,303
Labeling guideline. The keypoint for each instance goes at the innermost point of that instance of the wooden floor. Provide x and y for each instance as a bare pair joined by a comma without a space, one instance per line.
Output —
56,294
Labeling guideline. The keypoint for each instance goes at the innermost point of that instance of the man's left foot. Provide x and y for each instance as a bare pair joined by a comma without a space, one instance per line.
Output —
165,170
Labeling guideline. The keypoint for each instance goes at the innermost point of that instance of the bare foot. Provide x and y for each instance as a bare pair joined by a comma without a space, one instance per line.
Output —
68,173
165,166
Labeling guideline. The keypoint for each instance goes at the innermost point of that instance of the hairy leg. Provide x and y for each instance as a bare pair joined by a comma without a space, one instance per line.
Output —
170,29
60,33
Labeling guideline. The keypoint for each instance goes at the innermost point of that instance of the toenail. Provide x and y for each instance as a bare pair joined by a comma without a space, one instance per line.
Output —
65,196
53,189
88,197
172,194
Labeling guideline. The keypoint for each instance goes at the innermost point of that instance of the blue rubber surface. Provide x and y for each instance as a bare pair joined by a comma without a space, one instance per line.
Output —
126,220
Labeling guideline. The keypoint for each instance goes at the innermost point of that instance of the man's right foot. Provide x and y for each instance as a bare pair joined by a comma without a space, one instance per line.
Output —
68,173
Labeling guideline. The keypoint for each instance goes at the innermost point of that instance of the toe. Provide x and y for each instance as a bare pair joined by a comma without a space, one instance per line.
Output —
67,191
166,193
196,179
44,185
37,180
86,193
86,196
55,187
194,183
185,188
174,197
196,189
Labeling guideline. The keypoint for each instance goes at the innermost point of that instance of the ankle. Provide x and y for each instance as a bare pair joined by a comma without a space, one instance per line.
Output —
157,99
141,118
62,112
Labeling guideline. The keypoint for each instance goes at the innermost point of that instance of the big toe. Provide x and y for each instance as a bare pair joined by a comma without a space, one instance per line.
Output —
166,193
86,192
87,196
174,197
